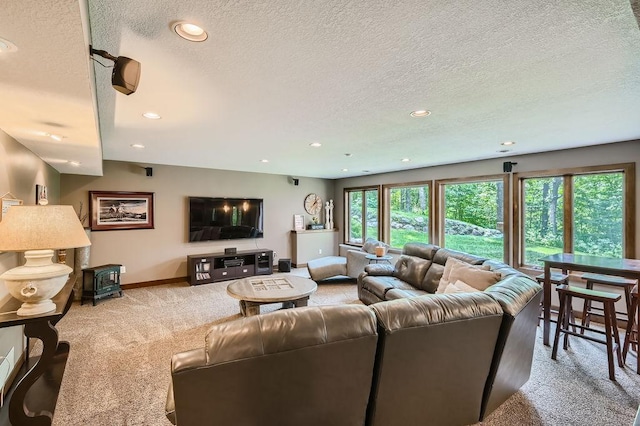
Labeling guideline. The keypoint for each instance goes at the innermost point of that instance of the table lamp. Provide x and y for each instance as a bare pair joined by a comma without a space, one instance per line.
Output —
37,231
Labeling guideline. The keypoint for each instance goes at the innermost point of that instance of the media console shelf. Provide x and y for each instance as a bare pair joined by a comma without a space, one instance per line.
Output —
212,267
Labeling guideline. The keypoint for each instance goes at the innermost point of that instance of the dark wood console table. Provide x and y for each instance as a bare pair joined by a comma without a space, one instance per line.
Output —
213,267
33,400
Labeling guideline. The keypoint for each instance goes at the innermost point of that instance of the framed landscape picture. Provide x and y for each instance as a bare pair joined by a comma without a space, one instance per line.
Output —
120,210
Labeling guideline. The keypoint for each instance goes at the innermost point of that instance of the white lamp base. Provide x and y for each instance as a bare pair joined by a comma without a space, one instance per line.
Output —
37,308
36,282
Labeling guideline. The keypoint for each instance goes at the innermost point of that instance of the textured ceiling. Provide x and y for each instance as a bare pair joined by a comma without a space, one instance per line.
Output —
275,76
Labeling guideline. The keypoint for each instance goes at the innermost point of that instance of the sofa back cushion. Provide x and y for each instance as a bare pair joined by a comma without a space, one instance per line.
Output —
443,254
433,359
423,250
411,269
317,359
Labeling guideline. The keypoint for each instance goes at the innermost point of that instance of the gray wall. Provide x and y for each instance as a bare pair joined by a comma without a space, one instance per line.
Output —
622,152
161,253
20,171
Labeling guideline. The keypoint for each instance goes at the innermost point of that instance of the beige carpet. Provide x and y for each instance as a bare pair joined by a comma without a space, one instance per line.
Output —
118,368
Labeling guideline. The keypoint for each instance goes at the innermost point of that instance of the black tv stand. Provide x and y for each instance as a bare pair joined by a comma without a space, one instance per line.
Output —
213,267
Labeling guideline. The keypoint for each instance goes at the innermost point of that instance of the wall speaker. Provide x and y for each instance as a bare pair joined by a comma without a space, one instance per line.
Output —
126,75
126,71
284,265
149,171
230,250
507,166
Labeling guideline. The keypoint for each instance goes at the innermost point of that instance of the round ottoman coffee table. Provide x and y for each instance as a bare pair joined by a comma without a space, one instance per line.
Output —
291,290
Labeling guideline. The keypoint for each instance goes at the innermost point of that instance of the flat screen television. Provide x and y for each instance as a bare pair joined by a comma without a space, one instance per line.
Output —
213,219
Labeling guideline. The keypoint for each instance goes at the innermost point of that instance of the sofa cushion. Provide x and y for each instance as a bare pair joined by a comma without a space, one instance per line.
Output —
411,269
425,251
396,293
443,254
380,285
452,264
432,278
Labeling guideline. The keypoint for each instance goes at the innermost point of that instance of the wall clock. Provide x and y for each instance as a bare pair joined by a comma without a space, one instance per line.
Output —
313,204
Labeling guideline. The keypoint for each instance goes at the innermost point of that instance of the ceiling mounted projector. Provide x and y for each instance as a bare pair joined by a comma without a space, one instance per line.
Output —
126,71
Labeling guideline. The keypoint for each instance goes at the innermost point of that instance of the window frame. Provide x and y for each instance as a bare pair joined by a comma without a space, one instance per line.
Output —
347,209
439,218
386,207
629,210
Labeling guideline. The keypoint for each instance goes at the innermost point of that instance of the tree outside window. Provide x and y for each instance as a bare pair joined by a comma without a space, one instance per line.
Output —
362,208
595,215
408,215
474,218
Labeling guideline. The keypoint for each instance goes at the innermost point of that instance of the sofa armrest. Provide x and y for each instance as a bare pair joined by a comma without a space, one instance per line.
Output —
183,361
356,262
188,360
379,270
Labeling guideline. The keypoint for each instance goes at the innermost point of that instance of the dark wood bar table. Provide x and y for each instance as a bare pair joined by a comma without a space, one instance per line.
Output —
628,268
33,400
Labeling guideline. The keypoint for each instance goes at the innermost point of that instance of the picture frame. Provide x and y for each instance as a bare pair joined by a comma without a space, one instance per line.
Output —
120,210
42,198
298,222
9,200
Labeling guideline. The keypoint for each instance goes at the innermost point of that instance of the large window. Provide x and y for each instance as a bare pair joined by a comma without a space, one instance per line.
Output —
543,218
407,218
474,216
363,213
580,211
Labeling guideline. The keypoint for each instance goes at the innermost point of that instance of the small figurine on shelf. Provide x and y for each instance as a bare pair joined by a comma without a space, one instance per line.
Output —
315,224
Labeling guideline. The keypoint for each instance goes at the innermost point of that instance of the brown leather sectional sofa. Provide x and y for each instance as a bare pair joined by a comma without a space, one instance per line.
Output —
418,272
446,359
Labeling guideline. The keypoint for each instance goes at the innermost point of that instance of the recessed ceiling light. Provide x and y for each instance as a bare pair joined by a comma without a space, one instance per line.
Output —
190,31
264,161
420,113
347,155
345,170
74,163
6,46
315,144
151,115
405,160
137,145
502,151
507,143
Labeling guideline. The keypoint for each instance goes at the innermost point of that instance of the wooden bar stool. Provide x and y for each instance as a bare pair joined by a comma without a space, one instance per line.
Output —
557,279
566,293
631,333
588,310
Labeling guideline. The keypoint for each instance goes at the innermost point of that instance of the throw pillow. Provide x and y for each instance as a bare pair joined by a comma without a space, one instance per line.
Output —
450,264
460,287
451,288
475,277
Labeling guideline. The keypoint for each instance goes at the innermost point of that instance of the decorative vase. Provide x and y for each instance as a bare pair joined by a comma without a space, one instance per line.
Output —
81,257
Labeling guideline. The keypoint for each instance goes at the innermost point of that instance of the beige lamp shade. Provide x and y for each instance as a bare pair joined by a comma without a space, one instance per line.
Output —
41,227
